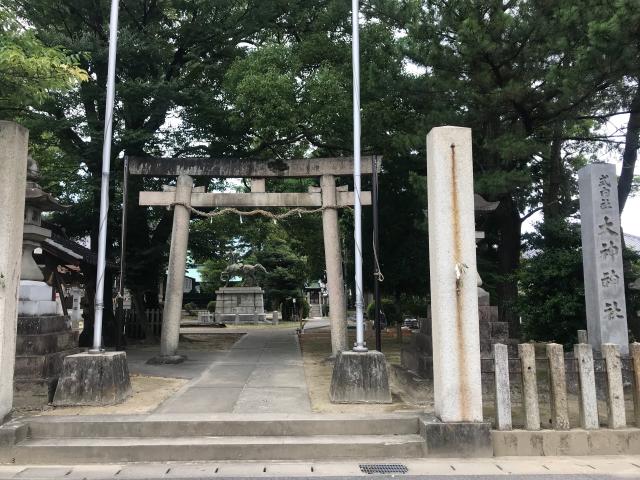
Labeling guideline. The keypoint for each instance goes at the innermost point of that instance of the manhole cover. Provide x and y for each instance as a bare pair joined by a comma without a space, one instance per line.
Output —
382,468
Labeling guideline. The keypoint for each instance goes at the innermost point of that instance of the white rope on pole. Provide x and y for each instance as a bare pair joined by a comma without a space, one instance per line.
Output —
360,345
104,188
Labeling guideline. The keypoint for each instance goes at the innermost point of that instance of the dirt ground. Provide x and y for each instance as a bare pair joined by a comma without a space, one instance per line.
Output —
316,349
148,392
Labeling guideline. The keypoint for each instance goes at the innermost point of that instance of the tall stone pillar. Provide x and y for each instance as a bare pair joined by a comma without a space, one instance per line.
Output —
333,259
602,256
452,260
13,171
175,274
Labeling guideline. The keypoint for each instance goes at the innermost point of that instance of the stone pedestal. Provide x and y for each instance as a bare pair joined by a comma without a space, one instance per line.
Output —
360,377
44,339
95,379
240,304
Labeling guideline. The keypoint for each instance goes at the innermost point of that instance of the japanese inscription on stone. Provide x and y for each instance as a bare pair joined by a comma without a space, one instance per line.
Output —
602,256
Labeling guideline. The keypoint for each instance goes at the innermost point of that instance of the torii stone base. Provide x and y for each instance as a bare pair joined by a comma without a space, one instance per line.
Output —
360,377
95,379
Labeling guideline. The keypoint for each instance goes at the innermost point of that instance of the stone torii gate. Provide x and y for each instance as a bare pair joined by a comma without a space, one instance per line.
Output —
328,198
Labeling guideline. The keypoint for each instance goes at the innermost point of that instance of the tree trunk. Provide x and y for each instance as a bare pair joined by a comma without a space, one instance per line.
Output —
509,248
630,154
553,181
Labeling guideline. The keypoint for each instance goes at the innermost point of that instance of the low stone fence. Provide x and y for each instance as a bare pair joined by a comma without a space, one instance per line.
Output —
574,389
138,328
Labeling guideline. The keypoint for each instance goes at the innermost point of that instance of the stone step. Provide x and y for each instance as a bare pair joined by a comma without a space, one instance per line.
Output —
41,366
42,324
183,425
150,449
43,343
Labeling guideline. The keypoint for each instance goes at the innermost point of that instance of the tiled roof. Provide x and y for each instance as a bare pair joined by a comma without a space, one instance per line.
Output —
632,242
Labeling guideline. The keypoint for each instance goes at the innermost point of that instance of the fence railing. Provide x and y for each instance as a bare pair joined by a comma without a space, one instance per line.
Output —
594,391
138,328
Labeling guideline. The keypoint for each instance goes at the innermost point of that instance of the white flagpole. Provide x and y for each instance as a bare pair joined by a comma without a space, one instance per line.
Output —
360,345
104,189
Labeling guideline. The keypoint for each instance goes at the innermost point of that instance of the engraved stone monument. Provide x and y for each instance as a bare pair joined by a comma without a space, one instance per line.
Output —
602,256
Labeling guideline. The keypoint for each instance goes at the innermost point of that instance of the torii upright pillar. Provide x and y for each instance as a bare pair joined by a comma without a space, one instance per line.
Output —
175,275
333,261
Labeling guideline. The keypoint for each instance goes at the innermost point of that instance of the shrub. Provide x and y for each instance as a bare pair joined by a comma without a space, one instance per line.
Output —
211,306
190,307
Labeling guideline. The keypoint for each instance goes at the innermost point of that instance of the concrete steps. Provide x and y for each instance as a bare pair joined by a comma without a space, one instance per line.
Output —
148,438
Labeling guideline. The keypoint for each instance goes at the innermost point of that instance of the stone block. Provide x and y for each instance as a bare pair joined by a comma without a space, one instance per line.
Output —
43,324
360,377
93,379
41,366
499,331
40,344
37,308
457,439
34,290
488,314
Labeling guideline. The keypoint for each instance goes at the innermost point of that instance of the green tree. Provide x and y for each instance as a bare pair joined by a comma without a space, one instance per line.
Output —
29,70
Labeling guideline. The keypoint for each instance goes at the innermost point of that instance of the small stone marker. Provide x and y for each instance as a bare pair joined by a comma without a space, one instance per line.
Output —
602,256
582,336
558,391
527,354
454,297
276,317
503,391
587,398
634,351
615,391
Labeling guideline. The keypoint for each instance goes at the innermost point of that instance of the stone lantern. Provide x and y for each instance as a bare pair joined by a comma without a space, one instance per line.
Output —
44,337
36,297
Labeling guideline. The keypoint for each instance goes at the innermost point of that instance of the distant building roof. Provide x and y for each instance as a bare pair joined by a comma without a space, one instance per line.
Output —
632,242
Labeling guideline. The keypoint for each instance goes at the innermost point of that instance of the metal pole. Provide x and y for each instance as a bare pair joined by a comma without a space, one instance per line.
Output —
360,345
376,266
104,192
123,254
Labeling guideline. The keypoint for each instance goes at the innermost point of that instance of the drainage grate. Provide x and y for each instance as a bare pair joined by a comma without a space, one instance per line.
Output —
383,468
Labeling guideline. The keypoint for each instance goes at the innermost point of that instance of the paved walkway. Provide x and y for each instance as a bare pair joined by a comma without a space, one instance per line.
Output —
262,373
529,468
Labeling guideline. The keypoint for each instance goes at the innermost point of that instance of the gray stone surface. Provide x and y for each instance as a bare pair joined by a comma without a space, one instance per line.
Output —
333,260
502,387
452,255
615,400
462,439
582,336
176,269
634,352
602,256
262,373
360,377
271,199
587,400
558,387
13,171
247,167
246,304
527,355
93,379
